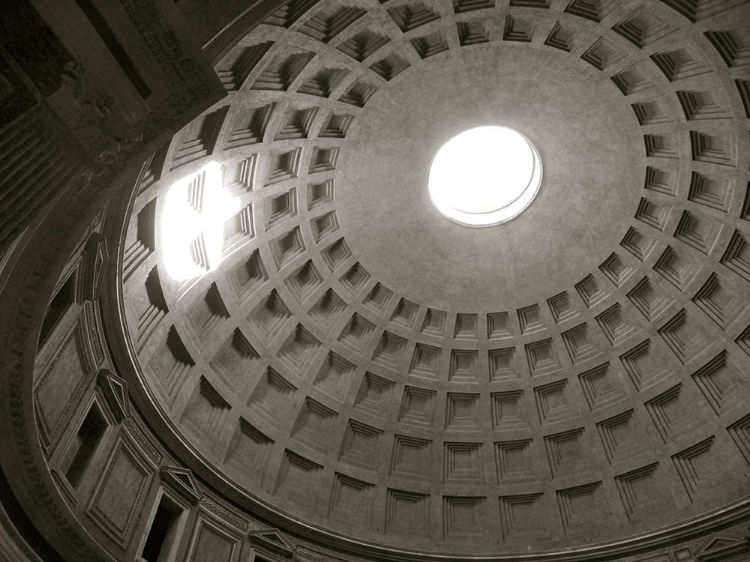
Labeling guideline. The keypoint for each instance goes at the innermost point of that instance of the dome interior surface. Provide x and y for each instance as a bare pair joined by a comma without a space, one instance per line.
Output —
373,370
593,157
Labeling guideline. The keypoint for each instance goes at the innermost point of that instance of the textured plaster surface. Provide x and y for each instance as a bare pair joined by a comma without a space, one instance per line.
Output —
592,153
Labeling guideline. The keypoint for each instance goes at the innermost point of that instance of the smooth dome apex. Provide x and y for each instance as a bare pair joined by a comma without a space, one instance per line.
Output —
485,176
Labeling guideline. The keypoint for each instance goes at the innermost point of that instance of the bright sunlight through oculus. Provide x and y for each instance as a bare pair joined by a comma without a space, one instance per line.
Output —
485,176
192,228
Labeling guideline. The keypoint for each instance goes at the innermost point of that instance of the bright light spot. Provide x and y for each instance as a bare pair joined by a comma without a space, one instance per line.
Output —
192,227
485,176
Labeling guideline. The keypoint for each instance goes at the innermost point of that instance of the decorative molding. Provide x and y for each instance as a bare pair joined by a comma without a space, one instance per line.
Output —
182,481
134,431
115,391
271,541
227,516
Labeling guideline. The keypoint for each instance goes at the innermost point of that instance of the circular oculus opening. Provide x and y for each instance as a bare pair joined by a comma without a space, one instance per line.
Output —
485,176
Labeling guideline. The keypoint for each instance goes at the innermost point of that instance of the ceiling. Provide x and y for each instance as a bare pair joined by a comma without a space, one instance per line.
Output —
365,366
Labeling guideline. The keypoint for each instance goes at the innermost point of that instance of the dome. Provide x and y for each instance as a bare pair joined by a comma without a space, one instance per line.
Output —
316,341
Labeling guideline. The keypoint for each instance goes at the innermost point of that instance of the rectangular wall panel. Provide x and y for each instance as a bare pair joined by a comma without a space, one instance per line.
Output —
119,495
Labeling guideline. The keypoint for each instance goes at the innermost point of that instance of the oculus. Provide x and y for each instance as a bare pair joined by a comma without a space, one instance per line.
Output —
485,176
